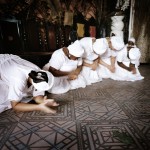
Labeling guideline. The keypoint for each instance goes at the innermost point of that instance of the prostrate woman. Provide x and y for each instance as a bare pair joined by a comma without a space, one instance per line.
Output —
19,79
65,64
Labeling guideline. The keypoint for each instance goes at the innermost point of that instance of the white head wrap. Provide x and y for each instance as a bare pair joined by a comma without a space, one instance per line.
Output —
132,40
100,46
44,86
117,42
75,49
134,53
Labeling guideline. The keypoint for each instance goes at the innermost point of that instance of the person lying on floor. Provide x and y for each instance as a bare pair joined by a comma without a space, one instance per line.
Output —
65,64
128,61
19,79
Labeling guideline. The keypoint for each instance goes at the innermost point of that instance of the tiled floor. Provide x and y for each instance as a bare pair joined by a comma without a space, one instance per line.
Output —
109,115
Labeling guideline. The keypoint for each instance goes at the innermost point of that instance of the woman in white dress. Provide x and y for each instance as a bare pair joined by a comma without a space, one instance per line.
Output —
128,63
108,59
92,51
19,79
65,64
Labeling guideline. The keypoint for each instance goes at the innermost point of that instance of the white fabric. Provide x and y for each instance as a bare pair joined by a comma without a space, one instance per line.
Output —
4,103
91,76
134,54
61,62
75,49
117,42
121,73
13,79
103,71
100,46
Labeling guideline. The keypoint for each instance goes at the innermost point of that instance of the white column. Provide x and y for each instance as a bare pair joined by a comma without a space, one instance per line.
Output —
131,21
117,25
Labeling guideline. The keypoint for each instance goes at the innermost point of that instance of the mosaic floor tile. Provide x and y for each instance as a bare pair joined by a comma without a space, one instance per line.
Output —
102,135
109,115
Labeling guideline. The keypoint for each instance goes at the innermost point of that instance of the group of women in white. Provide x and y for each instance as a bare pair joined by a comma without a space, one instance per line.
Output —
84,62
89,60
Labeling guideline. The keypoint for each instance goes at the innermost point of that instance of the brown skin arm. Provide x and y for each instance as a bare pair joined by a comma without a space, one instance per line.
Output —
93,66
123,66
110,67
58,73
133,69
74,74
113,60
77,71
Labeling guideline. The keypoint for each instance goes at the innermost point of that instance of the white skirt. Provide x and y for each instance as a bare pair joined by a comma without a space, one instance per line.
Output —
80,82
124,75
4,103
103,71
90,76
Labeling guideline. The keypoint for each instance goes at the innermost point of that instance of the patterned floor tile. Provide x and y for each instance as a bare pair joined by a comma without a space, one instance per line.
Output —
64,112
47,135
103,116
5,131
139,108
109,135
98,108
10,116
144,126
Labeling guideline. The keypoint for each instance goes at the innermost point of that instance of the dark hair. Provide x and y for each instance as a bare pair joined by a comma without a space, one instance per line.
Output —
38,76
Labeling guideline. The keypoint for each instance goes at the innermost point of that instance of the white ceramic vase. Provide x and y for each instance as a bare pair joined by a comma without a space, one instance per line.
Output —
117,25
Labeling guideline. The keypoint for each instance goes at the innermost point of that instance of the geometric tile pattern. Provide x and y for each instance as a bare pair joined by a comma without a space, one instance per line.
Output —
109,115
33,135
100,135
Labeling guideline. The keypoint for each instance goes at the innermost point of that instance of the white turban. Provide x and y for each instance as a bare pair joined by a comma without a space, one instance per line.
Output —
117,42
134,53
43,85
132,40
75,49
100,46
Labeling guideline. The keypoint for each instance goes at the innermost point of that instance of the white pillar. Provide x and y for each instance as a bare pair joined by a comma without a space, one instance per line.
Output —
117,25
131,21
